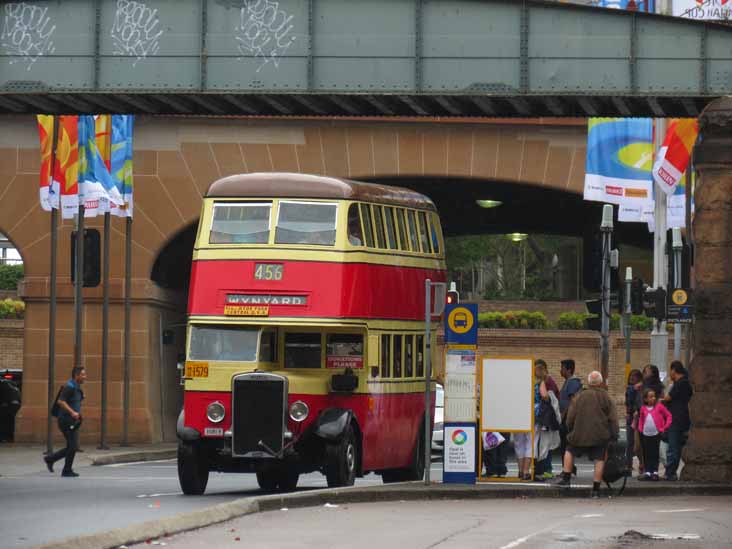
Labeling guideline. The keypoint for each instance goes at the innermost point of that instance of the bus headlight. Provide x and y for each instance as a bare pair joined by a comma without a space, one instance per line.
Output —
299,411
215,412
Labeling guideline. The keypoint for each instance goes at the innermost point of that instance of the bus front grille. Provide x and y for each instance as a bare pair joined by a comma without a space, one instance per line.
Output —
259,402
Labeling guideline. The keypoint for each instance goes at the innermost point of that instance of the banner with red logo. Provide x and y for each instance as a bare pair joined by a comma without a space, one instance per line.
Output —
66,167
675,153
49,199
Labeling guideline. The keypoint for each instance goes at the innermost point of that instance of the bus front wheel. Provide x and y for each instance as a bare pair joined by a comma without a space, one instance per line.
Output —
341,459
267,481
192,469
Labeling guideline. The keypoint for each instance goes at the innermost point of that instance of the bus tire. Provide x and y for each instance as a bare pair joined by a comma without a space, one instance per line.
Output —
192,469
267,480
287,481
341,459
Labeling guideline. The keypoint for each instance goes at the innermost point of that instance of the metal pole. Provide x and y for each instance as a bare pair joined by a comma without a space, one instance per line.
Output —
659,335
52,311
677,247
627,312
689,240
128,289
605,316
105,331
427,380
78,286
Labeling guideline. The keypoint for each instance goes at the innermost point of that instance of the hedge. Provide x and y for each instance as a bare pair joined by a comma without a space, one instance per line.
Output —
11,308
525,320
10,275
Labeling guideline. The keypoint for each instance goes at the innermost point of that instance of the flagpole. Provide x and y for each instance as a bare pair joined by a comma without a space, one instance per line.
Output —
79,285
659,335
105,304
52,311
128,289
105,332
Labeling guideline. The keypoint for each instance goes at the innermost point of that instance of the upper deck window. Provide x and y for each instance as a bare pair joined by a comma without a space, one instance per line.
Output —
211,342
391,238
306,223
424,233
302,350
355,235
368,230
237,223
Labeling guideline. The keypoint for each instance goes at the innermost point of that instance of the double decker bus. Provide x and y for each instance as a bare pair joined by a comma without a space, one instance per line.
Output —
306,334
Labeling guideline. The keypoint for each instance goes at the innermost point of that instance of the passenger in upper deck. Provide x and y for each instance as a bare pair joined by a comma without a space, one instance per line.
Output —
355,237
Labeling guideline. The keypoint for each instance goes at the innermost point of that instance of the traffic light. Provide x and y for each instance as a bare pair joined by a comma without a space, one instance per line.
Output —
453,297
654,303
637,289
92,258
594,307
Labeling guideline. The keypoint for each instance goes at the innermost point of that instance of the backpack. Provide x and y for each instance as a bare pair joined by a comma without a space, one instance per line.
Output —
615,465
56,409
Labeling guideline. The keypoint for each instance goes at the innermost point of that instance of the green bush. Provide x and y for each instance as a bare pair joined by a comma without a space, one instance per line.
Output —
9,276
640,323
10,308
521,320
571,321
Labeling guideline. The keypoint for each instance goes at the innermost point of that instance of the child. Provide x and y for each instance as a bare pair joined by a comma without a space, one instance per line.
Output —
634,377
653,420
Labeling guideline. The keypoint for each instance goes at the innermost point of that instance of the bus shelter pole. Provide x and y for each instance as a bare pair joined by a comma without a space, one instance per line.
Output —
427,380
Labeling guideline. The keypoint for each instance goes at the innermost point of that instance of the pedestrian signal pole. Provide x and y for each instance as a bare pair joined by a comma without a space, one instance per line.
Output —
627,310
677,245
429,310
606,226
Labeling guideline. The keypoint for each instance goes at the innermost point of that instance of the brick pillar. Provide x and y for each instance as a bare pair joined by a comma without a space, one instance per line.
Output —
708,456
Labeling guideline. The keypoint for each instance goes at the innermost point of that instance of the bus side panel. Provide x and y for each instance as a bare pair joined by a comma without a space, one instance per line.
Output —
376,291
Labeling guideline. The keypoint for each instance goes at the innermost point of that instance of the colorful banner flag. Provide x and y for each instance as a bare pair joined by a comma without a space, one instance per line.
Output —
121,162
66,166
49,198
675,153
618,166
96,183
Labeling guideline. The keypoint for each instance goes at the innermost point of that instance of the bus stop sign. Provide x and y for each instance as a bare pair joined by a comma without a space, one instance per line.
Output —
461,324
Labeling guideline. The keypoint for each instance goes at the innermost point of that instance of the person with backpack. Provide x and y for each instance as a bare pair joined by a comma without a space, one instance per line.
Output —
593,423
69,421
546,420
571,386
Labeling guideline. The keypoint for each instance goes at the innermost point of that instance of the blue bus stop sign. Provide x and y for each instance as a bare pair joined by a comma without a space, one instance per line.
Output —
461,324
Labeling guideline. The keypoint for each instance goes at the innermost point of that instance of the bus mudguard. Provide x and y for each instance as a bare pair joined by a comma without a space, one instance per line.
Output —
186,434
331,423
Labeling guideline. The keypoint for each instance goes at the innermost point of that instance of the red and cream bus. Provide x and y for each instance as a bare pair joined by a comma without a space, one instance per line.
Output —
305,348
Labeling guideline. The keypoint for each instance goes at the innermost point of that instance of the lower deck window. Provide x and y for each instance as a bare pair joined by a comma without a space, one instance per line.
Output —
302,350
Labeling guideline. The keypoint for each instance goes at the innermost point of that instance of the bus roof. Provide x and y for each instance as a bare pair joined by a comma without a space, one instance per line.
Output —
295,185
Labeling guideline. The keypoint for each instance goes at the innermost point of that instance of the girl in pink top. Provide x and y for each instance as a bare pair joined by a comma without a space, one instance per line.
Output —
653,420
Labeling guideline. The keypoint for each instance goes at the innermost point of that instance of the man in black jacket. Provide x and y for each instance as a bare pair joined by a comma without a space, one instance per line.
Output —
69,421
677,402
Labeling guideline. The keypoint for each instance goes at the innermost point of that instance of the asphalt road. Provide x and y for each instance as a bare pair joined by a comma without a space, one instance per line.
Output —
674,522
39,507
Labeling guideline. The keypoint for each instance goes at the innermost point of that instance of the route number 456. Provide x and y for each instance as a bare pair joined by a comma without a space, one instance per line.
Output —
268,271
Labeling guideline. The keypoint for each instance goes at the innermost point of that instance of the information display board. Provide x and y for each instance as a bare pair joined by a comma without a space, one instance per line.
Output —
506,401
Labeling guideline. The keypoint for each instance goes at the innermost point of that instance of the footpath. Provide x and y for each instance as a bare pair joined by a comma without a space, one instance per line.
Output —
26,459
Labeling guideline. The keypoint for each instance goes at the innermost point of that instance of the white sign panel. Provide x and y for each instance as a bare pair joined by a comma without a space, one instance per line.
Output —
506,394
460,409
459,449
705,10
460,386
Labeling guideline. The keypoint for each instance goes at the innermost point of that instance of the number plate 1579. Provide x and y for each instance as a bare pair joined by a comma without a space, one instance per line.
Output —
196,369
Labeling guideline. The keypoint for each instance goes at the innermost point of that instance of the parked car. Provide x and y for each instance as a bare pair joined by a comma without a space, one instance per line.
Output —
10,383
437,430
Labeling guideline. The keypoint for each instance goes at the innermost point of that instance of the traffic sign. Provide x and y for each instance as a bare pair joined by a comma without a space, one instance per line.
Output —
461,324
679,307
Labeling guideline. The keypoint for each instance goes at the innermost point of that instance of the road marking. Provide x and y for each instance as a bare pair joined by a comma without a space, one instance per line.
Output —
679,510
138,463
519,541
595,515
159,495
675,536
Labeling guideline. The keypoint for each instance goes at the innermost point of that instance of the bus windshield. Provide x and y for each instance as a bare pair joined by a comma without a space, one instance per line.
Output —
306,223
212,342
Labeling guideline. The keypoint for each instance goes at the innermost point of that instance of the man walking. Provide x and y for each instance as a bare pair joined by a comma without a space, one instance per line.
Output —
677,402
572,385
69,421
592,422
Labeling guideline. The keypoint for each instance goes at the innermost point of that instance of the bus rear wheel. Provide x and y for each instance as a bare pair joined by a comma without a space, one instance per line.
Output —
340,460
192,469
